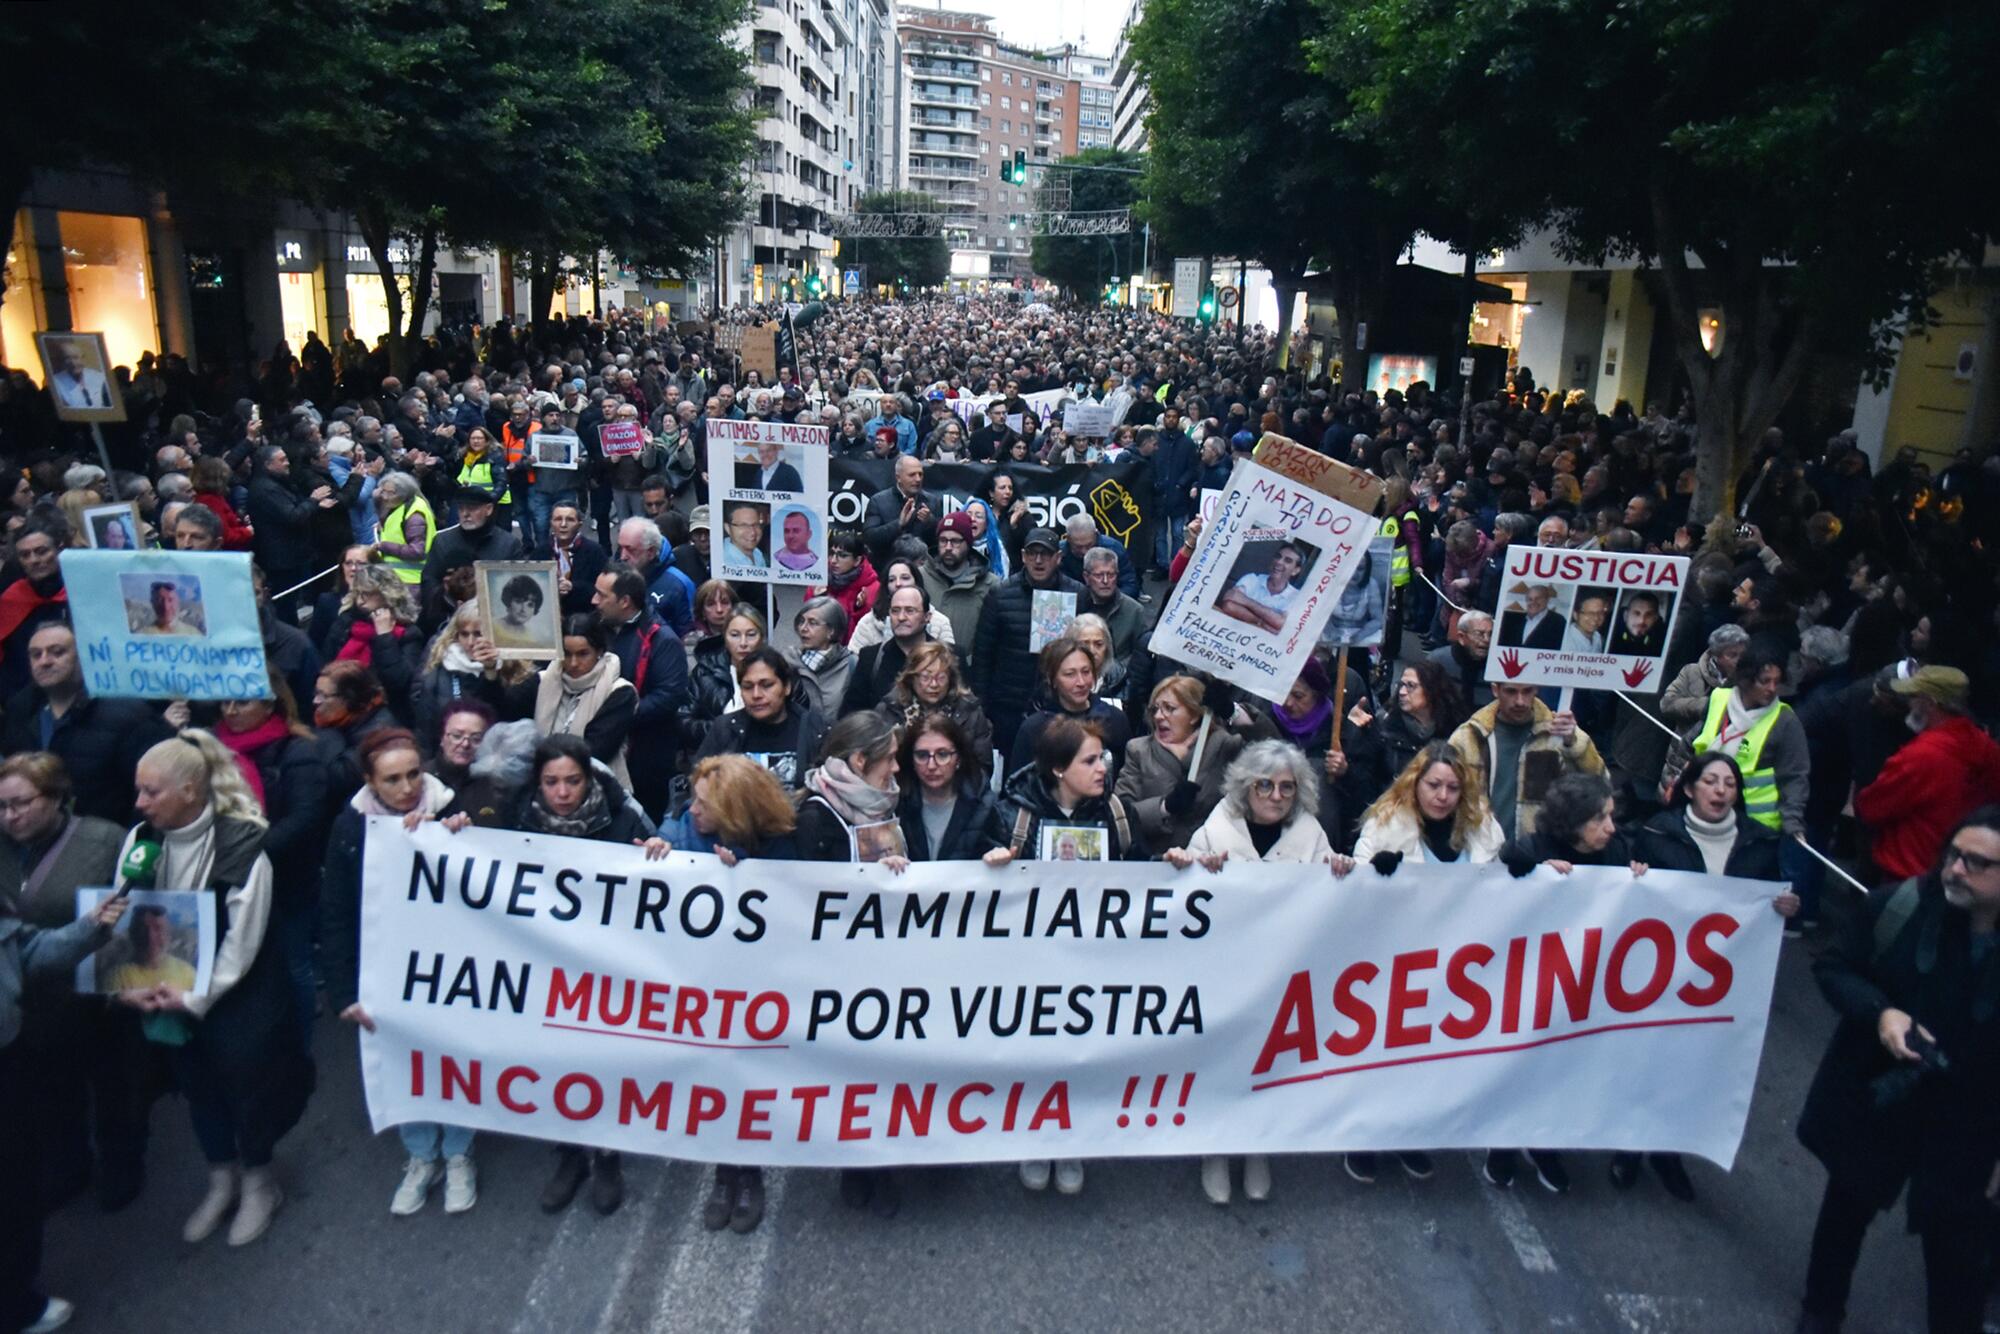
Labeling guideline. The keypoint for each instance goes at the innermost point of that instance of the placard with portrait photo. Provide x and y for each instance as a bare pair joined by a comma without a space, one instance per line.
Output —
519,609
768,501
112,527
1593,620
76,367
167,937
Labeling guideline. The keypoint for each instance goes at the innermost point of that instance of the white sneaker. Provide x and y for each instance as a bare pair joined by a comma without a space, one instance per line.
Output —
461,1183
262,1197
1069,1175
419,1175
54,1316
1215,1178
214,1206
1035,1174
1257,1177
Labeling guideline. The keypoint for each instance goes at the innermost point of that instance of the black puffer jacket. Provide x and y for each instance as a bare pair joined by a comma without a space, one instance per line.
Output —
711,685
397,661
1026,804
788,746
1003,666
974,830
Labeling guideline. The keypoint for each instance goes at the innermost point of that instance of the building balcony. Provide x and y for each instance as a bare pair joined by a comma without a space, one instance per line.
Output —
941,172
941,98
931,69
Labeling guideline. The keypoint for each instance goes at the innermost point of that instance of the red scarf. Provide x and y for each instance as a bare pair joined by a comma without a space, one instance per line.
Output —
360,645
245,745
20,601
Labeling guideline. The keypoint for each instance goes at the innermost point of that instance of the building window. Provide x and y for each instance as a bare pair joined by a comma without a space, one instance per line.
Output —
1006,104
110,281
1006,127
1006,78
985,169
986,122
986,76
986,99
984,147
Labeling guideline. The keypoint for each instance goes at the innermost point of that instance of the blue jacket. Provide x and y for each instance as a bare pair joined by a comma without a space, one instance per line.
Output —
671,595
1176,468
906,432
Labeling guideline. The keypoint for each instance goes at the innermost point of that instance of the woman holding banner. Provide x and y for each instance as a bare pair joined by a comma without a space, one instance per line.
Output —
946,811
738,811
394,784
1265,814
1059,806
1705,829
846,802
570,796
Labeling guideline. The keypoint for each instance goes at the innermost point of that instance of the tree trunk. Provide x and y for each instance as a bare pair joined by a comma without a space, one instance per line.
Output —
1287,286
544,268
375,231
1738,392
420,290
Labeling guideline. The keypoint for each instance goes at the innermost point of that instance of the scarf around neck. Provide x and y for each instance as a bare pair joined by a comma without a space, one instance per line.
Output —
591,818
1300,730
436,796
853,800
1714,839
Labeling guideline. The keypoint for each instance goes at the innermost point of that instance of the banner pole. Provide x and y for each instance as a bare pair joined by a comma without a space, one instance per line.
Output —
1339,698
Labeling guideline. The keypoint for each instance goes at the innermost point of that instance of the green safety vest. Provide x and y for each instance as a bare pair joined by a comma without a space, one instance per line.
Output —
1760,786
485,474
409,571
1399,551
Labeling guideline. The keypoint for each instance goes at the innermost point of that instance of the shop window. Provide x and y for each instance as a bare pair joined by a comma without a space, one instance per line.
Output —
20,314
110,282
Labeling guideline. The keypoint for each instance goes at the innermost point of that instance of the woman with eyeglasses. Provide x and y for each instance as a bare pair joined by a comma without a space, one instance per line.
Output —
825,664
1170,795
932,683
1265,813
1425,705
946,811
1059,806
461,728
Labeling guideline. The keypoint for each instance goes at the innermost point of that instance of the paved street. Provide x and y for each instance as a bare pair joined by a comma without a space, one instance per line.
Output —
1140,1249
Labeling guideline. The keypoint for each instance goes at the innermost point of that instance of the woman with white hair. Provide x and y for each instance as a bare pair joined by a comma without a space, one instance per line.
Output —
235,1047
408,525
1268,813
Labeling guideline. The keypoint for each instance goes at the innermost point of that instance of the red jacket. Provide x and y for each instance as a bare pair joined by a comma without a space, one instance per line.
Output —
236,534
1940,776
857,597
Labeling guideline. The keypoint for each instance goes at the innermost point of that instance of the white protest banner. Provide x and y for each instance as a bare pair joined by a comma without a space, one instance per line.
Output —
1594,620
805,1014
767,501
166,624
1088,419
1263,581
621,438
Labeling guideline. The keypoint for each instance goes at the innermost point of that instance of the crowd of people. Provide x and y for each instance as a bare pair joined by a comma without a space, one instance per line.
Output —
1830,682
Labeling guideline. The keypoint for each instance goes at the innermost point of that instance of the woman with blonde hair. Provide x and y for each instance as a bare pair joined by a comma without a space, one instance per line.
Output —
1156,775
377,627
719,656
931,682
234,1048
462,664
1435,810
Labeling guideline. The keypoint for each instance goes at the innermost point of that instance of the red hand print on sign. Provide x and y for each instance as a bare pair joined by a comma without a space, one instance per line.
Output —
1510,663
1637,672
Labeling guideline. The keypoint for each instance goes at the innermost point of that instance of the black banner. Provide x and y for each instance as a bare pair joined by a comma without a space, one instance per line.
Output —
1118,496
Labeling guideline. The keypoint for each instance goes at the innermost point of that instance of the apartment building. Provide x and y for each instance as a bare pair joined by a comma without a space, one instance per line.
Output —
825,73
1129,101
971,102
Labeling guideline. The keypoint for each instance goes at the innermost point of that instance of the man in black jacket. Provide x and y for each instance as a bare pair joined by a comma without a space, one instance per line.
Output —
1176,469
1906,1090
99,740
652,659
1003,666
283,519
903,510
476,538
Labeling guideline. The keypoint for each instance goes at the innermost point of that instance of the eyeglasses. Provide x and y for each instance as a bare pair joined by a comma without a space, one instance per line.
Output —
944,755
1283,787
1974,863
18,805
465,738
933,678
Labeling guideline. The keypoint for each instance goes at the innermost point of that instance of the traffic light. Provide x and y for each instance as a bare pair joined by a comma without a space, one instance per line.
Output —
1020,167
1006,171
815,286
1208,307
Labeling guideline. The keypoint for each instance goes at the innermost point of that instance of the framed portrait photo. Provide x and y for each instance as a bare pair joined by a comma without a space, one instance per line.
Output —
77,369
112,527
555,449
518,607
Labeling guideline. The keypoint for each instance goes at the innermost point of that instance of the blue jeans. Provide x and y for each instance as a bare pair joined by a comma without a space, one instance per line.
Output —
429,1141
535,523
1167,538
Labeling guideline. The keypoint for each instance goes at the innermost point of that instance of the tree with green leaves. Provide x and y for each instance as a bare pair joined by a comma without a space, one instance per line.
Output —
1252,158
919,261
1083,264
1810,168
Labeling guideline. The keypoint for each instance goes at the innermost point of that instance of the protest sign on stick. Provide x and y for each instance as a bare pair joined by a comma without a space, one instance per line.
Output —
767,487
166,624
1590,620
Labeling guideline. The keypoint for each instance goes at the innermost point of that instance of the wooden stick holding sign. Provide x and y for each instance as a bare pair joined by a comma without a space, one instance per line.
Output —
1339,699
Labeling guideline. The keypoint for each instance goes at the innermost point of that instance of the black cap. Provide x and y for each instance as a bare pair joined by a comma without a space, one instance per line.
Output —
475,495
1043,537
